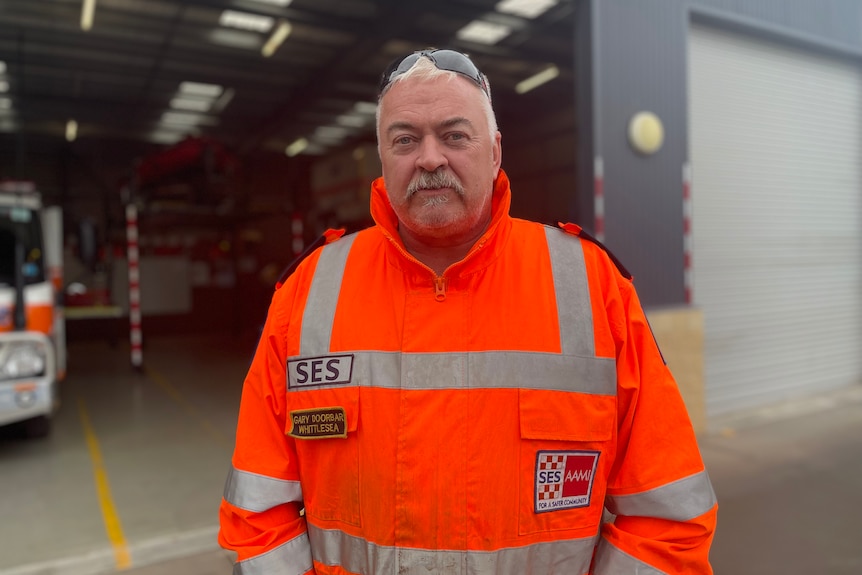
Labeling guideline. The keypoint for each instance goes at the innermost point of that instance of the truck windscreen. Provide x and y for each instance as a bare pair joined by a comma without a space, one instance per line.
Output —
24,225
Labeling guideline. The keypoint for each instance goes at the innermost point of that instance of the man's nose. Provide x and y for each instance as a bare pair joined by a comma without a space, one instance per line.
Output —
431,156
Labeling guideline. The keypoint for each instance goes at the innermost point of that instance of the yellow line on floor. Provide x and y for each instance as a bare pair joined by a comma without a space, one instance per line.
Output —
103,489
189,408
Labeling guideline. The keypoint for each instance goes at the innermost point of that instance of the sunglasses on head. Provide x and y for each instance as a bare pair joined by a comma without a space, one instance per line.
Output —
448,60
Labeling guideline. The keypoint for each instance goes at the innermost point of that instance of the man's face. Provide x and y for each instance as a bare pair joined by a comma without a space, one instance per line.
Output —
439,159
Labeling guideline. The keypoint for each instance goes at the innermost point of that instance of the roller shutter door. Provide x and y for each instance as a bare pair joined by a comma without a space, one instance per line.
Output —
776,158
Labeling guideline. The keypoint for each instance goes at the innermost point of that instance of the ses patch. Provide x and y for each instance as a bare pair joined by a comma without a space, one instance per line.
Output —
564,479
315,371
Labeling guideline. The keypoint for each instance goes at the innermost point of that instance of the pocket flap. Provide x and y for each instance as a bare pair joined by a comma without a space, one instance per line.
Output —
566,416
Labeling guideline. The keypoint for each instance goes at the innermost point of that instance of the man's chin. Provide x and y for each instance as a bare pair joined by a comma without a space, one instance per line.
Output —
434,220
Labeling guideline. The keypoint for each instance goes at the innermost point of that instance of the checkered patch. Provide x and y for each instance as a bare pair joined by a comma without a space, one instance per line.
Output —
564,479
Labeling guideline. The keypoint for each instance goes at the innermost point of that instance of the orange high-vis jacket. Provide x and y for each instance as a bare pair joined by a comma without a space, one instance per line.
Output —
477,422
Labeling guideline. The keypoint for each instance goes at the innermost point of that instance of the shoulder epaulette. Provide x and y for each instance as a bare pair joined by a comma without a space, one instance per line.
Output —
577,230
327,237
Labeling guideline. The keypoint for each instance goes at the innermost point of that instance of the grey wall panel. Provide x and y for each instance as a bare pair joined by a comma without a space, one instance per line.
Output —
580,204
642,65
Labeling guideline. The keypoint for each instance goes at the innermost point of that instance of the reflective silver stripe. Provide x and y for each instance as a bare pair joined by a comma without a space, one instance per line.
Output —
576,369
493,369
570,284
681,500
354,554
319,311
573,293
257,493
612,561
290,558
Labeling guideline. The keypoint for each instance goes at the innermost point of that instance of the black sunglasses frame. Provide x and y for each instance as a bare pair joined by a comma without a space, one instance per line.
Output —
449,60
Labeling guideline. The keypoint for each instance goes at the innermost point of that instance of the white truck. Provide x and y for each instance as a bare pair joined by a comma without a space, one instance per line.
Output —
32,326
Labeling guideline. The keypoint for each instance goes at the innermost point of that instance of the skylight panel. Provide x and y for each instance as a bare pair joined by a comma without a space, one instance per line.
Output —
483,32
246,21
525,8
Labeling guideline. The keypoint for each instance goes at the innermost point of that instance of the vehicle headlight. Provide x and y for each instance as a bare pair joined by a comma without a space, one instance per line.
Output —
26,359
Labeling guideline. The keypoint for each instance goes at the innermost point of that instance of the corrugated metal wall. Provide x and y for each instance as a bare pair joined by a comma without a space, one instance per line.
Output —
638,62
776,137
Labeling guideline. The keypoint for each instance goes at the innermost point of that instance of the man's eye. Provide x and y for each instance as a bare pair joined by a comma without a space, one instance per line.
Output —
403,140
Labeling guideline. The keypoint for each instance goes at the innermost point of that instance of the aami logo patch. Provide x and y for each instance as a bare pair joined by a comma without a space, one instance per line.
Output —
564,479
327,370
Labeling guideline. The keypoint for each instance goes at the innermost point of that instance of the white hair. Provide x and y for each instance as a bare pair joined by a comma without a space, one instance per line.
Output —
425,69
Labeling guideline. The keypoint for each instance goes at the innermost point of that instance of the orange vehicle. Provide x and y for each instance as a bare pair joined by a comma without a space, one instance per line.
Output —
32,328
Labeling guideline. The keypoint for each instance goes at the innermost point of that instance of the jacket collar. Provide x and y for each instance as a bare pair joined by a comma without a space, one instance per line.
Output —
493,238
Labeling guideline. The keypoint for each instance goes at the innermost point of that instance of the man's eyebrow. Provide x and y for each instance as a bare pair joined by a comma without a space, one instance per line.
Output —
457,121
451,122
397,126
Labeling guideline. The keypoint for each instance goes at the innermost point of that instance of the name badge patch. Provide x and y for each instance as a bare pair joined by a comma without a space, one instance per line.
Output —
327,370
321,423
564,479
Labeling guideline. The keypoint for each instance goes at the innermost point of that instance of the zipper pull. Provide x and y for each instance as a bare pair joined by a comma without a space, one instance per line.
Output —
440,288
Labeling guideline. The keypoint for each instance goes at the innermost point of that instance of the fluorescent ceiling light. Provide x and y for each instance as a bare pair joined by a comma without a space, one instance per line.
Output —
180,119
165,137
352,120
246,21
186,119
280,35
296,147
483,32
368,108
88,10
532,82
276,2
71,130
241,39
192,104
4,86
2,67
5,103
525,8
200,89
331,132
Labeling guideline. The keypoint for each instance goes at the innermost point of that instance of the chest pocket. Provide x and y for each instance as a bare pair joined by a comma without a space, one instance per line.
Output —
565,454
328,463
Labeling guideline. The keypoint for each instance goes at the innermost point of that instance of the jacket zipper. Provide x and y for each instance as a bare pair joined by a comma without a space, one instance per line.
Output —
439,288
439,281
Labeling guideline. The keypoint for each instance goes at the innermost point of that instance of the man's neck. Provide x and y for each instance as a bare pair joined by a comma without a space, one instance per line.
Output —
437,257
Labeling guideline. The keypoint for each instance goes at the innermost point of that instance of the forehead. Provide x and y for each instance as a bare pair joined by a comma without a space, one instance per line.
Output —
417,99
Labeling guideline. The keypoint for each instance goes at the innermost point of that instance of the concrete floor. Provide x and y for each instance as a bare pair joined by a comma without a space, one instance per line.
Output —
146,454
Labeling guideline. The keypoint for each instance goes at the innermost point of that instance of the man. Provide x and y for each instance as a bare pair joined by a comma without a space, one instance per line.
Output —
457,391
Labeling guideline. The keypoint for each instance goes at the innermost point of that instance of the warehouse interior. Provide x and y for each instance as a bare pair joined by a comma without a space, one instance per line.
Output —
179,108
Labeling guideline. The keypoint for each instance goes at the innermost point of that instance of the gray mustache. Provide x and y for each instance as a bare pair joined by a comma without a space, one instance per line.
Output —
434,180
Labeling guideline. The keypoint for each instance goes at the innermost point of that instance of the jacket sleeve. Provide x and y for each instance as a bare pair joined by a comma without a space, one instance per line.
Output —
658,487
260,515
